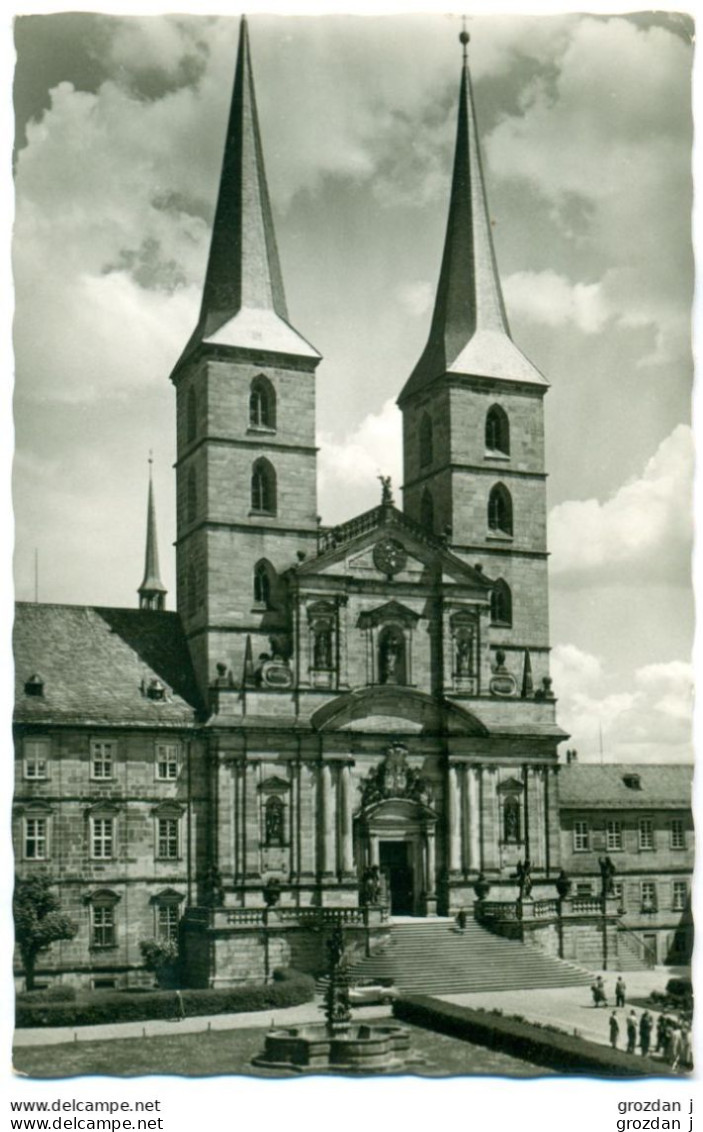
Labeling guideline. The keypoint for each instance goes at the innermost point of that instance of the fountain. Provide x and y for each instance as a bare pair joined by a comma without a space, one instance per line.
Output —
338,1045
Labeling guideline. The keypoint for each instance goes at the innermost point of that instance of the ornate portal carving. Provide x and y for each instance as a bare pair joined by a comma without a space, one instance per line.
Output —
393,778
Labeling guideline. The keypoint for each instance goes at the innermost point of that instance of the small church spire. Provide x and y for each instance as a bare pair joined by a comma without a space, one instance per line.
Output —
243,303
469,333
152,592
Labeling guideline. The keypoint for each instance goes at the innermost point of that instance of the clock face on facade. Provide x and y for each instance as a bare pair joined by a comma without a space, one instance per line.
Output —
389,556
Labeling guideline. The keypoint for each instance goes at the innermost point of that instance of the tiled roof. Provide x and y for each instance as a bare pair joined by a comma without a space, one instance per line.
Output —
95,663
588,786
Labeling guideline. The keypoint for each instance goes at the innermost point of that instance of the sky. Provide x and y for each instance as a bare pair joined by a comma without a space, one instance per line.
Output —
586,129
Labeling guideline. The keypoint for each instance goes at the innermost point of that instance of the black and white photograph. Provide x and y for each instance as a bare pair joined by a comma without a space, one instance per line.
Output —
353,523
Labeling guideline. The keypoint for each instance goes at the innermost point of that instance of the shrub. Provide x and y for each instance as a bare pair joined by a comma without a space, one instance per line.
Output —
116,1007
539,1045
58,993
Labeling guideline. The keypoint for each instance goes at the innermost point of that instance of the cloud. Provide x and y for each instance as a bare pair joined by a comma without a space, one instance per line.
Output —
348,467
650,721
550,299
606,150
643,531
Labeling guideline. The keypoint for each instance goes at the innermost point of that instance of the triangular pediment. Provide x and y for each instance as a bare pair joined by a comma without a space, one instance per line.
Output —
389,611
385,544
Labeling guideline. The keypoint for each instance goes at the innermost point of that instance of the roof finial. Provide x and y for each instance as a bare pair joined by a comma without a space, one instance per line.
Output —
464,39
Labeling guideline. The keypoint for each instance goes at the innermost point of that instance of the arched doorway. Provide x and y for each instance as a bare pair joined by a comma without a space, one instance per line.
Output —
397,836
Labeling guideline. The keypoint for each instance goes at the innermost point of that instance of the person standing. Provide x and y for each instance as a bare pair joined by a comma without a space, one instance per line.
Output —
631,1032
614,1028
661,1033
620,989
646,1024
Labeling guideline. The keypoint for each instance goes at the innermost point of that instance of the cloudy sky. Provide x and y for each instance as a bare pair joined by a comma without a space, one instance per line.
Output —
586,129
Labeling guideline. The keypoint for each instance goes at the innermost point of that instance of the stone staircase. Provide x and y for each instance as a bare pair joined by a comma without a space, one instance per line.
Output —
432,957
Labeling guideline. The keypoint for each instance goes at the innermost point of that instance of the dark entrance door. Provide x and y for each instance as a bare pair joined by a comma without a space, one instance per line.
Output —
394,859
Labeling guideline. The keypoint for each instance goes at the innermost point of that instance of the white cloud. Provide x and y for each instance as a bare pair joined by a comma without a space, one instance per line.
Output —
650,721
551,299
348,466
644,527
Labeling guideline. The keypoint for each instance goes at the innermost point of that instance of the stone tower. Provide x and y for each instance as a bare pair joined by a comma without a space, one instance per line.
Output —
473,432
245,389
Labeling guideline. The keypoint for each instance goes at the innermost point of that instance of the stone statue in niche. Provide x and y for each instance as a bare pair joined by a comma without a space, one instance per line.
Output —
322,646
391,659
274,828
511,820
463,654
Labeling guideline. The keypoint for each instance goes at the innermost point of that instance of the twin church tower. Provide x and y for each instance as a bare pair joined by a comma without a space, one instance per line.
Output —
473,449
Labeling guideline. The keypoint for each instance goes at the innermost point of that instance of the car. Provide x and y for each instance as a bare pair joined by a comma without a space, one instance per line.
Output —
369,992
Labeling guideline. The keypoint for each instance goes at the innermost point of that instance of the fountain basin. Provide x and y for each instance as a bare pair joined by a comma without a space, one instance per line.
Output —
357,1049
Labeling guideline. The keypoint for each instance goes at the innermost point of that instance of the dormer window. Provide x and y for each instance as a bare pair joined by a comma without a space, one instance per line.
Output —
632,781
34,686
155,690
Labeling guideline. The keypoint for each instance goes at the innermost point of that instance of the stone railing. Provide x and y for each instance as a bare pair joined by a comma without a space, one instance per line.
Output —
497,910
586,905
328,538
544,908
244,918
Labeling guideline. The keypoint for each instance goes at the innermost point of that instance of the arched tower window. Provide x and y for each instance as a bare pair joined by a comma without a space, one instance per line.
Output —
262,584
392,668
425,440
192,497
497,431
191,415
501,604
500,510
427,510
263,487
262,403
511,819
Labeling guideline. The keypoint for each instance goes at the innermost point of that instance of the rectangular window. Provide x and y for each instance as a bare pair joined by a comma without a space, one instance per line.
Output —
35,842
101,759
581,837
649,896
680,895
619,893
613,836
103,838
678,836
103,926
36,759
584,888
167,923
167,761
167,838
646,833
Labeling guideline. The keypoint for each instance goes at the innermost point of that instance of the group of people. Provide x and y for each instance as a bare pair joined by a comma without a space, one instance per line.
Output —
672,1037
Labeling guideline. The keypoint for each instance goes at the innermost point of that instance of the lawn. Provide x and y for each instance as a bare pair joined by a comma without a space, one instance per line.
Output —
230,1052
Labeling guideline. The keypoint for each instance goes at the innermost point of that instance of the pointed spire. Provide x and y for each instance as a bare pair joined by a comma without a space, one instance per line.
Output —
243,302
152,592
469,332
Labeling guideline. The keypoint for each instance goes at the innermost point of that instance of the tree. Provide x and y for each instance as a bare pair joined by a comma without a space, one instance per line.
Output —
161,957
39,921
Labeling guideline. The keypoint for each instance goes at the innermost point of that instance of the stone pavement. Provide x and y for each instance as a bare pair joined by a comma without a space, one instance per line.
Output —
571,1008
260,1019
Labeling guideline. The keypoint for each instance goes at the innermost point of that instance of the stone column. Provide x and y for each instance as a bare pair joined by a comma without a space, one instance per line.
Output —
327,823
252,830
346,808
430,866
373,849
473,805
307,818
490,818
453,828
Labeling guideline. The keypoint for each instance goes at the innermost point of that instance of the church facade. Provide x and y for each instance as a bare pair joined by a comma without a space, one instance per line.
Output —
339,724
